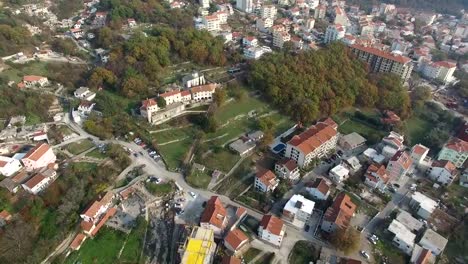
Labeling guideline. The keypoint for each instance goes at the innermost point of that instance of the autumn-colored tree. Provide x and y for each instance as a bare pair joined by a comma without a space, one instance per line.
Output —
346,240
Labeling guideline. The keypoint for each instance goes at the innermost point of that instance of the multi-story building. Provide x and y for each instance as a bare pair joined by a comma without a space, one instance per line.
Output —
339,173
214,216
271,230
97,208
256,52
193,79
246,6
236,241
442,171
313,143
440,70
383,61
249,41
320,11
38,157
205,3
268,11
279,38
265,181
211,23
287,169
422,205
319,189
376,177
298,210
199,247
403,238
339,214
310,23
334,32
340,16
264,24
433,241
9,166
171,97
399,165
419,153
148,107
40,181
456,151
203,92
33,80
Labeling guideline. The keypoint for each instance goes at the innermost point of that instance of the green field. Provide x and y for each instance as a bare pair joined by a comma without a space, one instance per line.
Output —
32,68
132,250
159,189
96,153
79,146
198,179
173,134
416,129
303,252
174,153
251,254
243,107
222,160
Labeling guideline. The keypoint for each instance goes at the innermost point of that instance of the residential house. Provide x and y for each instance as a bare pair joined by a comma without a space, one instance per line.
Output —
433,241
271,230
423,205
352,163
92,228
243,146
211,23
394,140
339,214
5,217
77,242
443,171
131,23
464,178
404,238
35,81
422,255
9,166
339,173
376,177
214,216
413,224
171,97
193,79
203,92
97,208
86,107
419,156
256,52
279,38
250,41
199,247
84,93
147,108
333,33
399,165
287,169
315,142
231,260
236,242
441,71
298,210
390,118
40,181
455,150
265,181
38,157
352,141
319,189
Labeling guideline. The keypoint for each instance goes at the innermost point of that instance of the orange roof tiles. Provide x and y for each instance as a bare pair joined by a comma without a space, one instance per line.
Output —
235,238
424,257
3,163
457,144
313,137
86,226
148,102
37,152
272,223
375,171
35,180
32,78
288,163
214,213
5,215
419,149
267,177
321,185
204,88
448,165
383,54
402,158
77,241
445,64
341,211
20,177
168,94
185,93
93,209
230,260
111,212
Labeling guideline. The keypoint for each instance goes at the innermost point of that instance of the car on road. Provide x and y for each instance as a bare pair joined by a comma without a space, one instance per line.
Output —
135,155
413,187
396,185
194,195
307,228
178,205
364,254
141,153
373,239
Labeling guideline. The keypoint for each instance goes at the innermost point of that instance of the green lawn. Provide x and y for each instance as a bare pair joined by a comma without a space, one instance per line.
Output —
416,129
394,255
173,134
17,72
79,146
174,153
234,108
159,189
222,160
303,252
84,166
96,153
251,254
132,250
104,248
198,179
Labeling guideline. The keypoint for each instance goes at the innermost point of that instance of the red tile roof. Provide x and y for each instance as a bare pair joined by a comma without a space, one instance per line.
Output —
111,212
288,163
402,158
448,165
171,93
77,241
35,180
419,149
235,238
445,64
230,260
240,212
204,88
267,177
375,172
214,213
457,144
313,137
3,163
5,215
383,54
341,211
32,78
424,257
272,223
321,185
185,93
148,102
86,226
37,152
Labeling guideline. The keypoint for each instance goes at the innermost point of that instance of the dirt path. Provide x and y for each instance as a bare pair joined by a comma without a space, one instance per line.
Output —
172,141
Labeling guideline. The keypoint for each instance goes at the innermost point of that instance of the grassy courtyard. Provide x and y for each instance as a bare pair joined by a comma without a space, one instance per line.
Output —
416,129
159,189
96,153
198,179
303,252
79,146
174,153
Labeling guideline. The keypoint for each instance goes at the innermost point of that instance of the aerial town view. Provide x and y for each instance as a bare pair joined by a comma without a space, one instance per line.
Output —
233,132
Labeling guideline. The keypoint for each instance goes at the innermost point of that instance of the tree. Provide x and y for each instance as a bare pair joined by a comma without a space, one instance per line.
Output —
265,123
422,93
219,97
346,240
161,102
18,238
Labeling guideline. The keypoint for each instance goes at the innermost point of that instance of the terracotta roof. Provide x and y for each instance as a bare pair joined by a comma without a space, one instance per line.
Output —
240,212
402,158
457,144
250,38
5,215
350,261
127,192
111,212
3,163
383,54
445,64
267,177
86,226
93,209
35,180
448,165
148,102
419,149
204,88
214,212
235,238
288,163
185,93
77,241
37,152
272,223
20,177
330,122
375,171
32,78
231,260
321,185
313,137
341,211
424,257
171,93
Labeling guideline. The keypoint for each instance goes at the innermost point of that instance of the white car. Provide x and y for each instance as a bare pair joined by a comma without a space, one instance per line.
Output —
364,254
194,195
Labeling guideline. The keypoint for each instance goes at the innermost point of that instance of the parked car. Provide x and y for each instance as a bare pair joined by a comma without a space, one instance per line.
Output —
194,195
364,254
